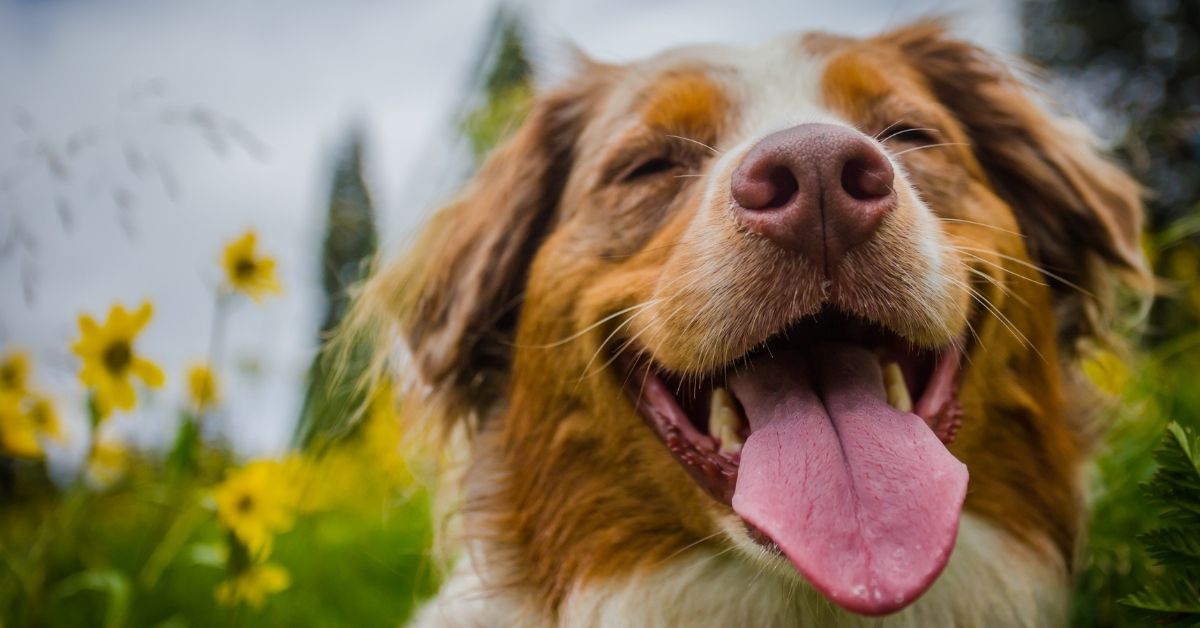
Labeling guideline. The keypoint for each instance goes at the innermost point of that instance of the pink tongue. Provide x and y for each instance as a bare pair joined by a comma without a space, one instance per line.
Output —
862,498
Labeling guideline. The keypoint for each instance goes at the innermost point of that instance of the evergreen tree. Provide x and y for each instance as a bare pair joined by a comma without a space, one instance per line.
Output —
505,84
333,396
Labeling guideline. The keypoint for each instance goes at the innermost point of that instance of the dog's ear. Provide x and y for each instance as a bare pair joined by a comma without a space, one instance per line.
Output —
1081,214
454,298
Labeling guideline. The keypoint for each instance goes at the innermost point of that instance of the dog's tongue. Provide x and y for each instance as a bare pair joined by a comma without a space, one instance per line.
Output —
862,498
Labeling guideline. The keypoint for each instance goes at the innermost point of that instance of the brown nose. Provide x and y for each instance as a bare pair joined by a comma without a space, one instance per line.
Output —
817,189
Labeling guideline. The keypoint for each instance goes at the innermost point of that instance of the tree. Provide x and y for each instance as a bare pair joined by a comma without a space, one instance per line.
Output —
333,395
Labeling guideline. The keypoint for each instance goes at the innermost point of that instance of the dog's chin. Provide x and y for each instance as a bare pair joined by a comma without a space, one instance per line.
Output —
828,442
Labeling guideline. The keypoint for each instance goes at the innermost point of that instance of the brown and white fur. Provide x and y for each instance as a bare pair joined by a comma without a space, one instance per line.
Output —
520,296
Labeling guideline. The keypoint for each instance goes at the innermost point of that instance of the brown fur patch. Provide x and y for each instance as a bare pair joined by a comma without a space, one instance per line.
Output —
688,104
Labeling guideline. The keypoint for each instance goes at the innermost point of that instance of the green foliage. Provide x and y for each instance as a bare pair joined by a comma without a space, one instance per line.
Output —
510,67
1156,387
496,118
1139,62
332,394
1174,594
150,553
507,89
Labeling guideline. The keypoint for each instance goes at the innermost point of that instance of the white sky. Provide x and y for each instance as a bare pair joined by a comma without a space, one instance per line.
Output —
295,73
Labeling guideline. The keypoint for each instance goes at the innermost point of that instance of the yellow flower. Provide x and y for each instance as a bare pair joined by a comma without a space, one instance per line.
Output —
253,585
43,415
1107,371
18,436
202,387
247,272
14,373
108,463
109,359
256,502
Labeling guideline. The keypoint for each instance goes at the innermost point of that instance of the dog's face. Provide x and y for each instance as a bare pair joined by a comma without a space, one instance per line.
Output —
784,298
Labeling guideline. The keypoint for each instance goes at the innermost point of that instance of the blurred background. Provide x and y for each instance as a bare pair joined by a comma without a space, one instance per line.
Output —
236,165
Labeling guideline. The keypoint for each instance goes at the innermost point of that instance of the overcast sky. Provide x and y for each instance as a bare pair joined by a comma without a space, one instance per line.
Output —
103,117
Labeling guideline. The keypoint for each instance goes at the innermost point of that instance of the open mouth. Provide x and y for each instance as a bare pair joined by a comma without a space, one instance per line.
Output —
829,442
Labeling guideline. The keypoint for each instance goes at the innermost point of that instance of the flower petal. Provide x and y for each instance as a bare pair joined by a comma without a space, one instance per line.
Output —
88,325
123,395
149,372
141,317
118,320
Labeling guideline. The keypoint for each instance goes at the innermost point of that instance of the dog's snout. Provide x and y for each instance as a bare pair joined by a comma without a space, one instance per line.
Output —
817,189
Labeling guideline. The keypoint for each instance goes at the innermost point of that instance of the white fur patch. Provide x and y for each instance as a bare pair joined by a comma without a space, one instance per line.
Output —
991,580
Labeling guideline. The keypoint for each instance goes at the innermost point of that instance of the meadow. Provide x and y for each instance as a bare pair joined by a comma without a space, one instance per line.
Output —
339,530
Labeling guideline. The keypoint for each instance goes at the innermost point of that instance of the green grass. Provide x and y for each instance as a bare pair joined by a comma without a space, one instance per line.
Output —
90,559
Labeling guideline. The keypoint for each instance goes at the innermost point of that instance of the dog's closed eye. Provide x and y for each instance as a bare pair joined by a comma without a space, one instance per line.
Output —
648,168
912,135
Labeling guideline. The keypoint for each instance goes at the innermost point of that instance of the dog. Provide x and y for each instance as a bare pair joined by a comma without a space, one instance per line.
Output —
785,335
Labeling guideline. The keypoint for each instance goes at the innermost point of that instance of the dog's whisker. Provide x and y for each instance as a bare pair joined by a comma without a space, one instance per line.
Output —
999,267
887,128
903,131
1004,320
616,354
984,225
926,146
997,283
688,139
600,349
1031,266
558,343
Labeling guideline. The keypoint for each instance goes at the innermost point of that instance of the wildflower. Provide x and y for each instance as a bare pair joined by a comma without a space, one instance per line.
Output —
253,585
248,273
14,373
1107,371
108,462
109,358
43,415
256,502
18,437
202,387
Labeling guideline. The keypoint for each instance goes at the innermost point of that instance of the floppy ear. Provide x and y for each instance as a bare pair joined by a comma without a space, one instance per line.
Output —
1081,214
454,298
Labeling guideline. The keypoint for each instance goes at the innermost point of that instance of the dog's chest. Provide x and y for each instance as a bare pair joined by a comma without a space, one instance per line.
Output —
990,581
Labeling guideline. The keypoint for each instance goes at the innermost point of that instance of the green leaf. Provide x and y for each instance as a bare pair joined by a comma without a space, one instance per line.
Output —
1177,596
1176,545
110,582
1189,446
182,458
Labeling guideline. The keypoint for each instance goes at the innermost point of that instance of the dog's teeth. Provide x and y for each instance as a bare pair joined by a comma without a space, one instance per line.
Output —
731,443
724,422
897,390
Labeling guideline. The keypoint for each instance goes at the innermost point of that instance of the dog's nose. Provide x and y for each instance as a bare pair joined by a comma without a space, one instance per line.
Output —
817,189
